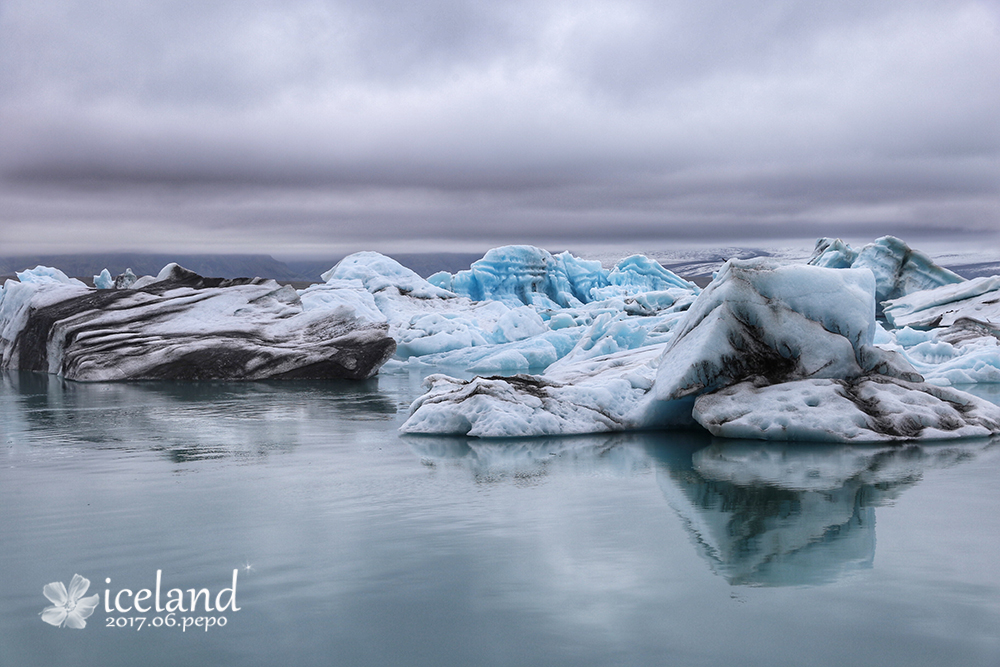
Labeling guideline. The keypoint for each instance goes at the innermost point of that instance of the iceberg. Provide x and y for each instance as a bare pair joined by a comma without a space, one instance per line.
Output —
898,269
758,334
182,326
759,319
971,301
104,280
950,334
590,396
518,309
526,275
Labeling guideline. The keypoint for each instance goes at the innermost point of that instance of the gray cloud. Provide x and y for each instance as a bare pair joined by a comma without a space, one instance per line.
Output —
301,125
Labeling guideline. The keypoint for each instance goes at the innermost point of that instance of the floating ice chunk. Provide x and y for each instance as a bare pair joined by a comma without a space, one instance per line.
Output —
125,280
121,281
639,274
977,300
528,275
46,275
899,270
870,409
595,395
378,272
183,326
104,280
34,288
783,323
833,254
521,405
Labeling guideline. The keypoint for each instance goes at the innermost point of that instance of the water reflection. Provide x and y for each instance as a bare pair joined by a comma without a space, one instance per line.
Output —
792,514
760,514
185,421
492,461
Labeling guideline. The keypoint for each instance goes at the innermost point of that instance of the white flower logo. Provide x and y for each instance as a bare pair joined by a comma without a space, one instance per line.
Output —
68,609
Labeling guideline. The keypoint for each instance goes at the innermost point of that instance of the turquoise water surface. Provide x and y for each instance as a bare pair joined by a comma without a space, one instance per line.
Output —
353,545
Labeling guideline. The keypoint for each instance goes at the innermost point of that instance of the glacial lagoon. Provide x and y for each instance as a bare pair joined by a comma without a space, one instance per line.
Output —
355,545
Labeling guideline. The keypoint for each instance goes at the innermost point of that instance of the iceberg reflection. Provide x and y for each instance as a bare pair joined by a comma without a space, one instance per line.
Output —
520,458
770,514
186,421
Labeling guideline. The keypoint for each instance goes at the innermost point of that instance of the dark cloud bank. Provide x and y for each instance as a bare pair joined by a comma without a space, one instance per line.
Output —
309,128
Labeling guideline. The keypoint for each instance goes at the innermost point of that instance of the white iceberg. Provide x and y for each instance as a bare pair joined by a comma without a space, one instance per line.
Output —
590,396
782,323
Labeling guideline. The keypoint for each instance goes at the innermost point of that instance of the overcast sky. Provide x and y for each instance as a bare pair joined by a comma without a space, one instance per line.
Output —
310,127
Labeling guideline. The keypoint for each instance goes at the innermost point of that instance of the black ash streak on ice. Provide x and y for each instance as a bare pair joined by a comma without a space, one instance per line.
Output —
115,335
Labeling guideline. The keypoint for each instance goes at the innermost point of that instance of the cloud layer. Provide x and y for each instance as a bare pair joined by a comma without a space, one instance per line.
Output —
303,126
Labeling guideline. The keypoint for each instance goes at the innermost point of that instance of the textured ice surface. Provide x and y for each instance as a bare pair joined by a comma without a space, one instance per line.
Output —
977,300
950,334
782,323
528,275
899,270
104,280
757,320
532,276
182,326
519,308
869,409
592,396
378,273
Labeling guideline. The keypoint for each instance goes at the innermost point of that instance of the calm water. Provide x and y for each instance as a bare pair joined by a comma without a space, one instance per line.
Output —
355,546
